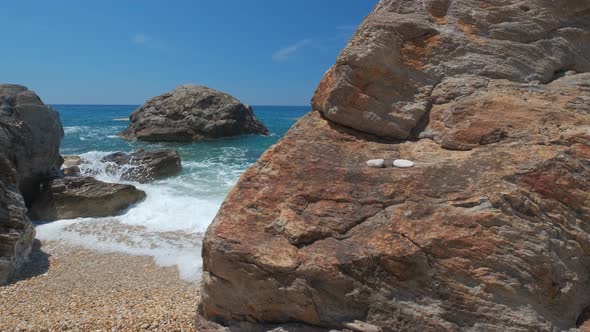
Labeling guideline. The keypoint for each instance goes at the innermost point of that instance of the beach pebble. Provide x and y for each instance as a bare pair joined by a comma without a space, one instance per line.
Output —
376,163
403,163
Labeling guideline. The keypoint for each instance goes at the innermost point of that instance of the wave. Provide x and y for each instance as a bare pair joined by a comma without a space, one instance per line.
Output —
169,224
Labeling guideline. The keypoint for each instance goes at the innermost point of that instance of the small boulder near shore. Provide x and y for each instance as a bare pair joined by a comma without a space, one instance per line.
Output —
144,166
82,197
192,113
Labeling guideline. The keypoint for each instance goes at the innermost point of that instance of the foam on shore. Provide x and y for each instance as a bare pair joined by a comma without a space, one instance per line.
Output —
168,225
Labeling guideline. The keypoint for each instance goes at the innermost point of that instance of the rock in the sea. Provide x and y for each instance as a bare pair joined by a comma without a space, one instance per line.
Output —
30,135
83,197
376,163
192,113
144,166
490,233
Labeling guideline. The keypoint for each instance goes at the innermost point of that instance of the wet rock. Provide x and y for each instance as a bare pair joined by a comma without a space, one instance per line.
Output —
144,166
192,113
83,197
30,135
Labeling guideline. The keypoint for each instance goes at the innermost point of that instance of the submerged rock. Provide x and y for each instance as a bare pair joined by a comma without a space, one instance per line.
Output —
491,232
192,113
30,135
83,197
144,166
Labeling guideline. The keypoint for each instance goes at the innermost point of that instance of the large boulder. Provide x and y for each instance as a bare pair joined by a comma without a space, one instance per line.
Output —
382,82
83,197
30,135
192,113
489,231
144,166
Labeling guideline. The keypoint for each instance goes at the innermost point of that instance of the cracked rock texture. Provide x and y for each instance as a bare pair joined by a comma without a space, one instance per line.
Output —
30,134
381,82
192,113
489,231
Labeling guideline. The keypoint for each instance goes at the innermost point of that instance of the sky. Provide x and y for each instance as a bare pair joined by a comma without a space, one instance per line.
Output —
264,52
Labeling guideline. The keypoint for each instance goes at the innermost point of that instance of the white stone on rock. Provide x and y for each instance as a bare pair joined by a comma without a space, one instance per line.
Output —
376,163
403,163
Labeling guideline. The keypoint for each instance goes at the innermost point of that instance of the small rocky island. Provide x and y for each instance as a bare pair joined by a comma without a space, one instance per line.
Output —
192,113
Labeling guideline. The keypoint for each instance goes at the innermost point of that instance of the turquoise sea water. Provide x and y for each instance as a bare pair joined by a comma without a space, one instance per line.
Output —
170,223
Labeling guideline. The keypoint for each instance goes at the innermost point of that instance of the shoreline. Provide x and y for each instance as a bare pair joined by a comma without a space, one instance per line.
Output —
65,287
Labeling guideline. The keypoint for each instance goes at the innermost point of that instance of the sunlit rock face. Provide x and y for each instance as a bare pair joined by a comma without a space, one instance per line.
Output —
490,228
383,80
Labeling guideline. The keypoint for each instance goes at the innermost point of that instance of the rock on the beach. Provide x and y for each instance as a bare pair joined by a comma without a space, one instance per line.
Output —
83,197
71,160
71,171
491,232
403,163
30,135
408,47
192,113
376,163
144,166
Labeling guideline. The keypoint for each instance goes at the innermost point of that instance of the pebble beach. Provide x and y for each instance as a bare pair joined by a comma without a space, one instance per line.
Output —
66,288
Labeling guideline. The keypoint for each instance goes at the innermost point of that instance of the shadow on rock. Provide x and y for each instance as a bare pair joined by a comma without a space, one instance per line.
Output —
38,264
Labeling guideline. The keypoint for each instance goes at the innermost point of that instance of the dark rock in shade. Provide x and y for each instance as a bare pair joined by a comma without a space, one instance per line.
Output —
192,113
30,135
144,166
489,231
82,197
16,231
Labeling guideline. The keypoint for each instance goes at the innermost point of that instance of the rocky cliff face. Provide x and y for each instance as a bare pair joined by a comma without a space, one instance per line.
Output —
192,113
30,134
490,230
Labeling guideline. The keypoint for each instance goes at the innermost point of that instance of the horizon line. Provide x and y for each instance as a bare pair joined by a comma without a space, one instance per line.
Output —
117,104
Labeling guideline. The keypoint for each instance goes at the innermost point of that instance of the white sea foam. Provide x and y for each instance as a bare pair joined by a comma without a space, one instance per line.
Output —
168,225
73,129
101,235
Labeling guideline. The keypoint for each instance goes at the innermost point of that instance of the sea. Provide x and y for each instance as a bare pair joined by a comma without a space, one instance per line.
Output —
170,223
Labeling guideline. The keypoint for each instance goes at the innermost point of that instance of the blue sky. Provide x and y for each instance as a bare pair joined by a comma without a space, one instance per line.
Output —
265,52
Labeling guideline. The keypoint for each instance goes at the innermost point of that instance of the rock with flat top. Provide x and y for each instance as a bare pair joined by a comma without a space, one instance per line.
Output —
83,197
192,113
